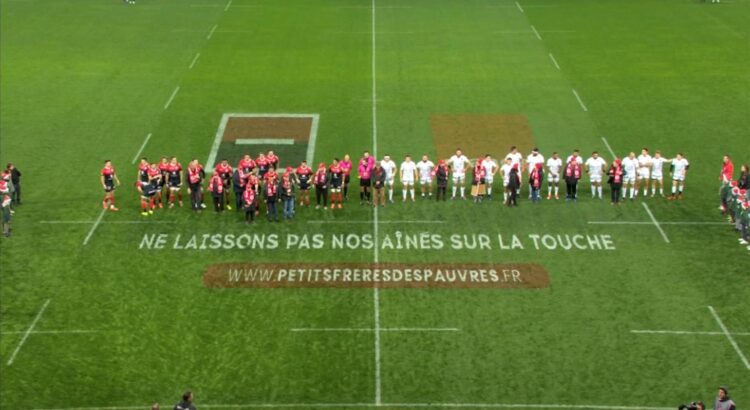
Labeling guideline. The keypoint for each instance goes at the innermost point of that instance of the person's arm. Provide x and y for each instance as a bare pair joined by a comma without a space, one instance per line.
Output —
101,178
117,180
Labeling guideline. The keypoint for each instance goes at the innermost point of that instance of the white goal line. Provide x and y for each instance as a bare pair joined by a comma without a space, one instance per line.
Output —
391,405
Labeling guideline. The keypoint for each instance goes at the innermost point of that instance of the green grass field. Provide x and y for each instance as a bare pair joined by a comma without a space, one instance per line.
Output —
117,326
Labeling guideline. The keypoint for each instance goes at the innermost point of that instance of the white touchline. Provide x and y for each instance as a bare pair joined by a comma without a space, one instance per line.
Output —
228,5
211,33
195,59
323,221
93,227
688,223
656,223
171,97
28,332
536,33
685,332
578,97
51,332
105,222
611,151
376,250
140,150
368,329
554,61
264,141
729,336
519,6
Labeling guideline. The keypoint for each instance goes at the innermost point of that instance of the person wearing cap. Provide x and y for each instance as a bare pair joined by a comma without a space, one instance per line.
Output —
186,403
723,402
514,183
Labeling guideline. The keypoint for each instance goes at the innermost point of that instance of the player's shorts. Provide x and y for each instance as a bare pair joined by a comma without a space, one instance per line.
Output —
628,179
489,180
262,172
595,178
656,176
364,182
643,173
407,181
109,187
175,185
335,188
678,178
390,180
304,186
506,181
336,184
425,180
553,179
459,177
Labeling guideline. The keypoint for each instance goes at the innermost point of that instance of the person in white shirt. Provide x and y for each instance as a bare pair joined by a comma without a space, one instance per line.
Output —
516,158
505,172
490,169
657,163
680,167
425,167
596,167
390,174
554,166
459,163
575,155
531,160
629,169
644,170
407,175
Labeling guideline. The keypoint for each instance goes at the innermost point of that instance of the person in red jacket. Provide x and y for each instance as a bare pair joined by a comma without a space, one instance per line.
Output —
615,181
224,170
248,200
273,160
572,175
216,187
194,177
536,177
727,174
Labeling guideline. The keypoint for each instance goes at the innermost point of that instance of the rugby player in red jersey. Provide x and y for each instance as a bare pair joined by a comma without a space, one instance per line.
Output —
320,180
217,188
346,166
142,178
225,172
337,180
262,163
162,192
153,190
109,182
253,182
246,164
304,174
174,181
273,160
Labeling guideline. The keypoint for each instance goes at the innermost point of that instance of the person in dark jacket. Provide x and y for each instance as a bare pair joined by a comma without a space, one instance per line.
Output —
743,182
514,184
186,403
723,402
572,175
15,178
272,198
248,202
286,190
320,180
238,185
615,181
378,183
442,173
216,187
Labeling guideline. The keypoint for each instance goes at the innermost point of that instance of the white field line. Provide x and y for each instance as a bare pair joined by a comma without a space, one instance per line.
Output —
51,332
376,248
611,151
28,332
264,141
211,33
551,57
312,140
217,142
368,329
140,150
392,405
519,7
656,223
93,227
578,97
416,222
105,222
685,332
228,5
688,223
536,33
171,97
729,336
195,59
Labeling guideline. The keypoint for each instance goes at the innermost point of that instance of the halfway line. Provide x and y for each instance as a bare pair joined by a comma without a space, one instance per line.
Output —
228,4
140,150
554,61
93,228
611,151
729,336
211,33
656,223
519,6
28,331
174,93
536,32
578,97
684,332
195,59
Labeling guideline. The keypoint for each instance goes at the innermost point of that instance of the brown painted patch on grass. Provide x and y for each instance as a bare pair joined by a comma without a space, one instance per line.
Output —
294,128
480,134
369,275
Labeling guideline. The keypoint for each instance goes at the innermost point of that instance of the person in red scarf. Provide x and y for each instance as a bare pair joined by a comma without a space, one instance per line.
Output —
336,177
224,170
441,174
194,177
262,163
572,176
248,200
536,177
304,175
320,180
478,188
615,181
253,182
272,195
378,184
273,160
216,187
246,164
514,184
286,188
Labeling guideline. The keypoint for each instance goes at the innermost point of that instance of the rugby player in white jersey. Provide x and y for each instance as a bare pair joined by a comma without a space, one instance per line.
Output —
505,172
554,166
459,163
407,175
657,176
595,167
425,167
644,171
490,169
629,169
679,170
531,160
575,155
390,174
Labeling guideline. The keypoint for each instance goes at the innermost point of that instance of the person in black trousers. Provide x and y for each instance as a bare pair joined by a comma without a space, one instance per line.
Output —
320,180
272,198
742,183
15,178
615,181
572,175
441,177
238,185
514,183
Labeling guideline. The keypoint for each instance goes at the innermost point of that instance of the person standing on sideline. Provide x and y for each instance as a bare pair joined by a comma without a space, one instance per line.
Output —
596,166
320,180
723,402
216,187
378,183
15,178
194,178
514,183
187,401
346,166
6,200
680,166
743,182
572,176
726,177
554,165
442,173
238,185
272,197
109,182
286,188
536,177
615,181
248,202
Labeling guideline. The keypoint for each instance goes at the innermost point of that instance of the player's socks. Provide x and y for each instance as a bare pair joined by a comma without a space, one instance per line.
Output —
505,196
390,195
463,190
412,194
454,192
661,191
593,191
404,194
599,190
